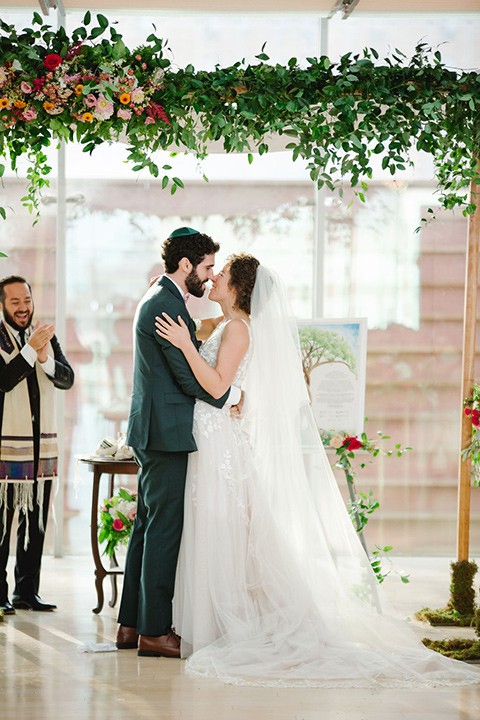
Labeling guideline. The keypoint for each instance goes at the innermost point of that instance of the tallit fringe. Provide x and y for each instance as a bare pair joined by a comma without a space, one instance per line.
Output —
23,499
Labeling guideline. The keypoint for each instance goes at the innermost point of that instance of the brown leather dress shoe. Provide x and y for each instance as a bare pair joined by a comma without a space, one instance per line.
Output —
162,646
127,638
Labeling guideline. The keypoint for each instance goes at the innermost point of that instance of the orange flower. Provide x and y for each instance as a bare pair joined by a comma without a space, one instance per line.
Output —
48,106
78,89
19,104
87,117
5,102
124,98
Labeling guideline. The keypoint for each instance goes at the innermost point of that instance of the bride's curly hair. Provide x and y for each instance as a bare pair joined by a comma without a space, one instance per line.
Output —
243,271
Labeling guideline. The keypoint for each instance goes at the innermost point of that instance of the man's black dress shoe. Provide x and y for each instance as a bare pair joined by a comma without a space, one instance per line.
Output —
32,603
7,608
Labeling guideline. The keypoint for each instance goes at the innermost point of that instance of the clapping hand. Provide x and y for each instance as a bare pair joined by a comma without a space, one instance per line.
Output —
39,339
177,334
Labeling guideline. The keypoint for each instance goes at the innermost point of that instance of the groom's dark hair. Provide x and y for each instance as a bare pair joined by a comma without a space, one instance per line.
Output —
193,247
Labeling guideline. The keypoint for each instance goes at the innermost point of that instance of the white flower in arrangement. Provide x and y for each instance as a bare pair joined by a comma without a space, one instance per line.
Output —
158,76
126,508
336,441
137,96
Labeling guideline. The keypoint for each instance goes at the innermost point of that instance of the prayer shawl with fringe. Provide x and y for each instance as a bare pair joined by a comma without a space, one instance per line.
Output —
16,442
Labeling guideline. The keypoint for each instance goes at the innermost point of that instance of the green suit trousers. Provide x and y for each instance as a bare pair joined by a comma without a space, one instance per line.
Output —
152,553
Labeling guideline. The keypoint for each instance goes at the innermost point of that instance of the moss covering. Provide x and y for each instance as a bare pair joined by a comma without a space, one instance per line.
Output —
445,616
457,648
460,609
462,594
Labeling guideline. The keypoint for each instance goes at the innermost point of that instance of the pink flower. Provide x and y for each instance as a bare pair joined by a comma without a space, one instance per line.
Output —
29,114
118,524
132,513
103,108
26,87
124,114
155,110
149,121
90,100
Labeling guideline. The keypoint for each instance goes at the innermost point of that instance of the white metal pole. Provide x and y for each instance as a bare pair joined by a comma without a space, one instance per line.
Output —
320,218
60,329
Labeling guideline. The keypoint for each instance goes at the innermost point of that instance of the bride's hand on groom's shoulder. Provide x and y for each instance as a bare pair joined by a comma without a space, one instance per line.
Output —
177,333
153,280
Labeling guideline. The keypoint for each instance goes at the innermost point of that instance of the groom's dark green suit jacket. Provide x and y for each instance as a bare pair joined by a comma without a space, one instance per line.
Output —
164,387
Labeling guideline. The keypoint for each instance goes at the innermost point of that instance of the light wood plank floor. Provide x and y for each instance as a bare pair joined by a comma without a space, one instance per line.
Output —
43,676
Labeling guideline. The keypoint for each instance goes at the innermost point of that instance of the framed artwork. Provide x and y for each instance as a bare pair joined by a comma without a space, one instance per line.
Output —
334,355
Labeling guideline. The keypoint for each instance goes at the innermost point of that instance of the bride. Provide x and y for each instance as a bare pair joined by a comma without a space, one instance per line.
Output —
273,586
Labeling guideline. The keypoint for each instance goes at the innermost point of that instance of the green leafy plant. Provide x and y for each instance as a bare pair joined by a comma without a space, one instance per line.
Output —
339,117
472,407
116,520
362,505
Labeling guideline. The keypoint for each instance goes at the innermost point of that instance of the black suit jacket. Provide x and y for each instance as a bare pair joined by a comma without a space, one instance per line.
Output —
164,387
19,369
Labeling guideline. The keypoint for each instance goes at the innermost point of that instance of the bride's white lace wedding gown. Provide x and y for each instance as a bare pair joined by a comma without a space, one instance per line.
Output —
269,590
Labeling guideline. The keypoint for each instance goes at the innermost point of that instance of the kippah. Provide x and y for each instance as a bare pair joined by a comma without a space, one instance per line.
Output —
183,231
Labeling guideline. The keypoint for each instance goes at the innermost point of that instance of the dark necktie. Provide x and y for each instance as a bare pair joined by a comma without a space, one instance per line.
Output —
22,337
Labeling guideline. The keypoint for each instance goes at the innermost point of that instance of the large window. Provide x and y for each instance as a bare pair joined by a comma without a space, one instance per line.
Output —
409,285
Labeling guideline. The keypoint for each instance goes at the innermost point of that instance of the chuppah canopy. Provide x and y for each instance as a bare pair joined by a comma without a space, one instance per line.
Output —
338,117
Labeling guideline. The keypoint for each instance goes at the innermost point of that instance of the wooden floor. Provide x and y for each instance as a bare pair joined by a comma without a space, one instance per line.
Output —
43,676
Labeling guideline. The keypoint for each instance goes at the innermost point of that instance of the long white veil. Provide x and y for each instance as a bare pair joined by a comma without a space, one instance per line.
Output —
313,613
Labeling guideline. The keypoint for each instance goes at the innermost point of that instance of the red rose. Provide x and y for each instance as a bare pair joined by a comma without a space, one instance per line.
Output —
52,61
117,524
467,411
352,443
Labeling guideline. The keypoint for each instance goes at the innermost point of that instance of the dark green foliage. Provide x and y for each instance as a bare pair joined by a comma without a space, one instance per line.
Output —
339,116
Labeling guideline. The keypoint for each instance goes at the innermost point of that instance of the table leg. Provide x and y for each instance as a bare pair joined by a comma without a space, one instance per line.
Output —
100,571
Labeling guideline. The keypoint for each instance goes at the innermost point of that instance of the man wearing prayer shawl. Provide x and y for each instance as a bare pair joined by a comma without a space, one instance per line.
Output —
32,364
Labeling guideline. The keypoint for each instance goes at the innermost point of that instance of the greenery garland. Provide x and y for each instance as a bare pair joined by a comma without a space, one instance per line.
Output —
340,116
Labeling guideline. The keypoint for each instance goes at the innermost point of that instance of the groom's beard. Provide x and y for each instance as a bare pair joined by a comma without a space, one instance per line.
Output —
194,285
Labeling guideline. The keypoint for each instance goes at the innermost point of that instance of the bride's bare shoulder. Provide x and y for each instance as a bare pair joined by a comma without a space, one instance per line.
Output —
238,329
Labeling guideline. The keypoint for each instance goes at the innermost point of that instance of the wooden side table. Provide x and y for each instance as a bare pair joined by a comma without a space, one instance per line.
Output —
99,466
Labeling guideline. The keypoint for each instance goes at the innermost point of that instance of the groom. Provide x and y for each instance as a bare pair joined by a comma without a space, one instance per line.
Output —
160,432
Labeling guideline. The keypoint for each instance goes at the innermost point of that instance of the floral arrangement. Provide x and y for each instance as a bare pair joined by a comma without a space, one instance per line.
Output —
361,504
116,520
53,85
338,116
472,409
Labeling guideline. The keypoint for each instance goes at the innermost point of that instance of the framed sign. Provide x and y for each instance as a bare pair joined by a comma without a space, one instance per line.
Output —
334,355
